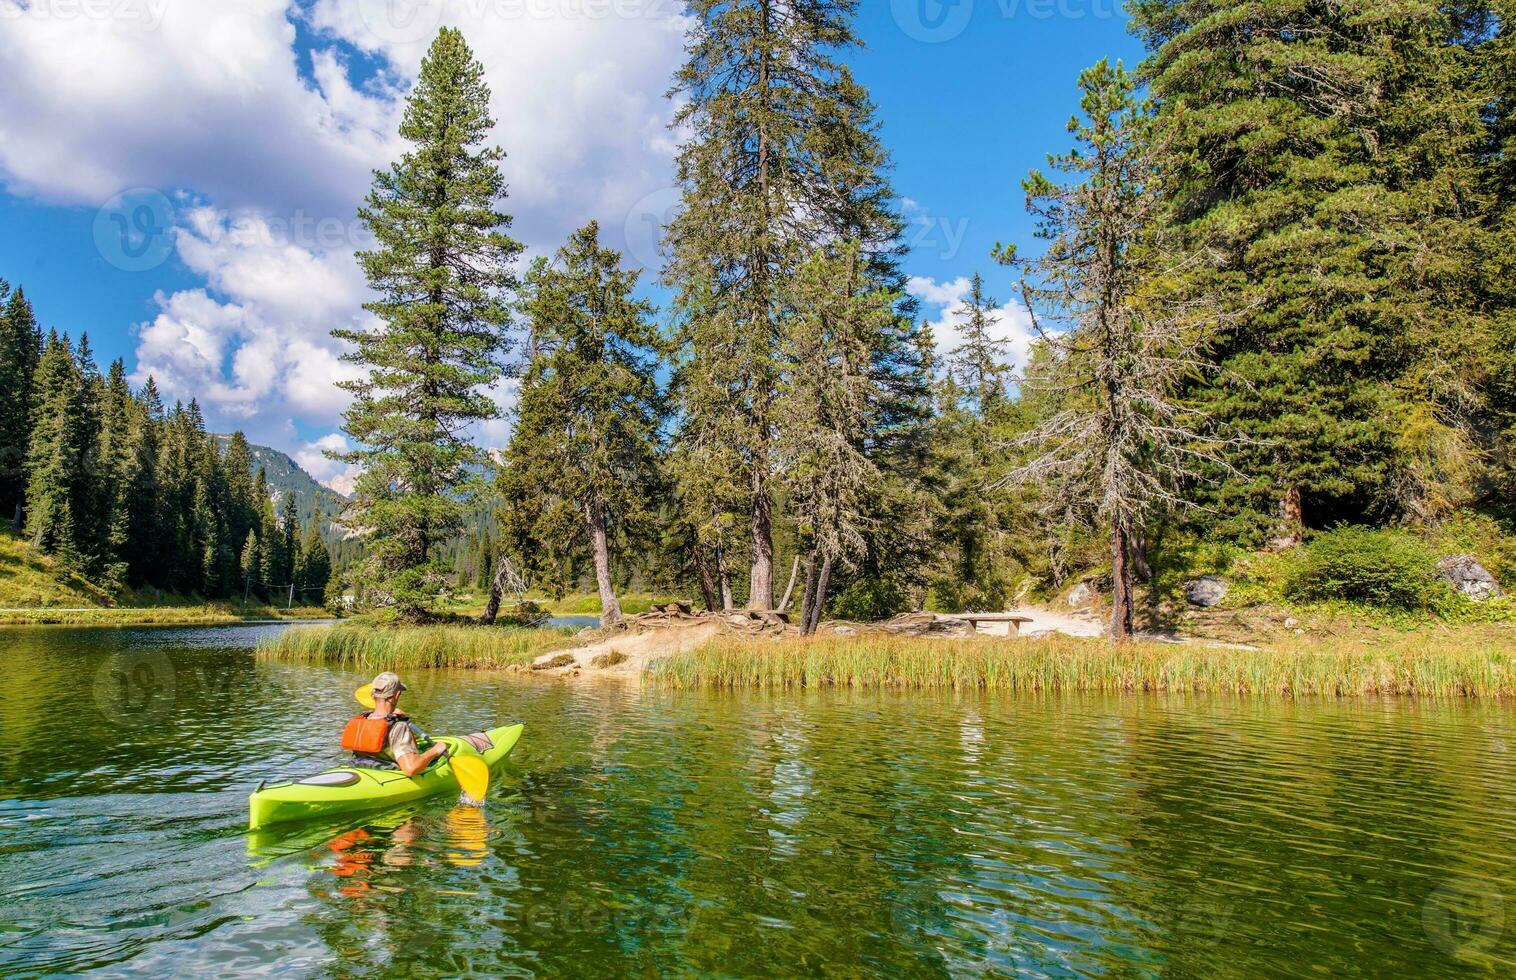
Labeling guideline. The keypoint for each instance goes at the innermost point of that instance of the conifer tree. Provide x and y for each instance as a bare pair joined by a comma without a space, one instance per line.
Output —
20,350
587,426
315,566
824,413
116,476
981,361
783,155
147,509
440,267
55,456
1325,153
1121,441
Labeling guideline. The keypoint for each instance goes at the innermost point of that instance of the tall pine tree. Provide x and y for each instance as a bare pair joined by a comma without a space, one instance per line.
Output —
441,266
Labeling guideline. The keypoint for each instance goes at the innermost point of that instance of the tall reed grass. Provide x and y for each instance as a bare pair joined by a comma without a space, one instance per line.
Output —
376,647
1420,666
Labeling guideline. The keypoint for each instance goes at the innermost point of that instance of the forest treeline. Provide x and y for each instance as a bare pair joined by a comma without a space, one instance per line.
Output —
1273,289
130,495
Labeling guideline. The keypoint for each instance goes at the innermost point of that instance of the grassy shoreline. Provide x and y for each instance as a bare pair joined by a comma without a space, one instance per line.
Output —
1477,664
1466,663
377,647
211,614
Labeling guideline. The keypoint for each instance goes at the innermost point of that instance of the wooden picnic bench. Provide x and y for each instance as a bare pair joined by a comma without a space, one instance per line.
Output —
1013,622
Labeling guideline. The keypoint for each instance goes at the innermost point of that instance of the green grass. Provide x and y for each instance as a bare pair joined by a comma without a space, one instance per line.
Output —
186,615
28,579
375,646
1475,664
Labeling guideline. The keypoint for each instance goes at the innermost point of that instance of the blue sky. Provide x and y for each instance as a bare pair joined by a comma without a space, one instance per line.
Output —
230,144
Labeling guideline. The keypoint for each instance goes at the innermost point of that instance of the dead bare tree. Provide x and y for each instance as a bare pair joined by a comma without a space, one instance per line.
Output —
1121,443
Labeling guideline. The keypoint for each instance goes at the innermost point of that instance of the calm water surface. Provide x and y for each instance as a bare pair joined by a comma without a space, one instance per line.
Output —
640,832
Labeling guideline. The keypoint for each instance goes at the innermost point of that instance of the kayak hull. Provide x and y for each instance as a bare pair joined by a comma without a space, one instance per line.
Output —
353,790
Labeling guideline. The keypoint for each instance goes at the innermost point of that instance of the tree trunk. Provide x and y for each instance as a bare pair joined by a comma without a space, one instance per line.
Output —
16,519
610,608
810,589
789,590
761,595
707,582
818,602
497,590
1291,519
1121,584
724,578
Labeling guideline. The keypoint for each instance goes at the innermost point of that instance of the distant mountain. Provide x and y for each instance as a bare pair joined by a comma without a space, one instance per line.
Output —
286,476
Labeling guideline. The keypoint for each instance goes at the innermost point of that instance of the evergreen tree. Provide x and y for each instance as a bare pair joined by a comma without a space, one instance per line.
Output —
55,456
1322,152
980,361
289,535
249,564
783,154
587,428
824,413
116,476
440,267
147,514
20,351
315,565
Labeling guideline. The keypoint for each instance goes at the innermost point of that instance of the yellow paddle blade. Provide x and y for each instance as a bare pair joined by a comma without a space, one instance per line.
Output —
365,696
473,775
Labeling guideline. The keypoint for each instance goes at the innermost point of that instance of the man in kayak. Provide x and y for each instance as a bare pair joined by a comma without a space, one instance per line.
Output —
385,738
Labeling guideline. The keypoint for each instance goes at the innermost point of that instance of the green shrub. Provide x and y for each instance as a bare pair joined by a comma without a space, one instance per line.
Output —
868,600
1377,568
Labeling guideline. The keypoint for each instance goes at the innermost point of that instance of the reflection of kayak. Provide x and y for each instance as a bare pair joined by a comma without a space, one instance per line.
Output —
350,790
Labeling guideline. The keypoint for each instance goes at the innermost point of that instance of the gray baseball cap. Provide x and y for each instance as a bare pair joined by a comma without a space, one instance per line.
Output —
387,685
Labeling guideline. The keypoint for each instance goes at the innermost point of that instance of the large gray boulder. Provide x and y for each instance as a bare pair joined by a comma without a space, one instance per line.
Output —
1206,591
1464,573
1082,596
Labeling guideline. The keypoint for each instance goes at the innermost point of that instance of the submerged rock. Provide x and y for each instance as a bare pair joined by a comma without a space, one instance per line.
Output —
1464,573
1206,591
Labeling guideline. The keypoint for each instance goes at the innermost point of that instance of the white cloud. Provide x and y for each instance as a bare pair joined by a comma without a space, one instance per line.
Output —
335,474
1012,321
266,354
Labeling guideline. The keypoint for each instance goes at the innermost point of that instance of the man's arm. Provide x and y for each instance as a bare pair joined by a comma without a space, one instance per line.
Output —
412,763
408,755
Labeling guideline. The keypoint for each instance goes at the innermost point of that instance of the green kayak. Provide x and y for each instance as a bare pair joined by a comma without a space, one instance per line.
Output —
352,790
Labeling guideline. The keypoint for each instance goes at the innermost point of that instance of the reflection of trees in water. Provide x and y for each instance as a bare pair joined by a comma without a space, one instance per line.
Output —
1308,832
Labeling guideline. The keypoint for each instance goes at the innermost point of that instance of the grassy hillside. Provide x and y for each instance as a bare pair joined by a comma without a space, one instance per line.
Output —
28,579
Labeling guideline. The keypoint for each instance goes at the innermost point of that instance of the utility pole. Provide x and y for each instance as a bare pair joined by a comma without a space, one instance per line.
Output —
291,604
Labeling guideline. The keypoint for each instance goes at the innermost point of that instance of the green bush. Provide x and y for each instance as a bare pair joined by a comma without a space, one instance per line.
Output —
1376,568
869,600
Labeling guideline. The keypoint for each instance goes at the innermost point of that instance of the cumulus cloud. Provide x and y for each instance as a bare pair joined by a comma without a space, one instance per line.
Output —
265,353
271,135
1013,323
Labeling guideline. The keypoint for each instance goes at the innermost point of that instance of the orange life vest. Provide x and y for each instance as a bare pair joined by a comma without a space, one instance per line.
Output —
370,736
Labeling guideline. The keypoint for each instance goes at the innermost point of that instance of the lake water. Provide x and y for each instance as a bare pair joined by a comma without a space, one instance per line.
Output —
641,832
